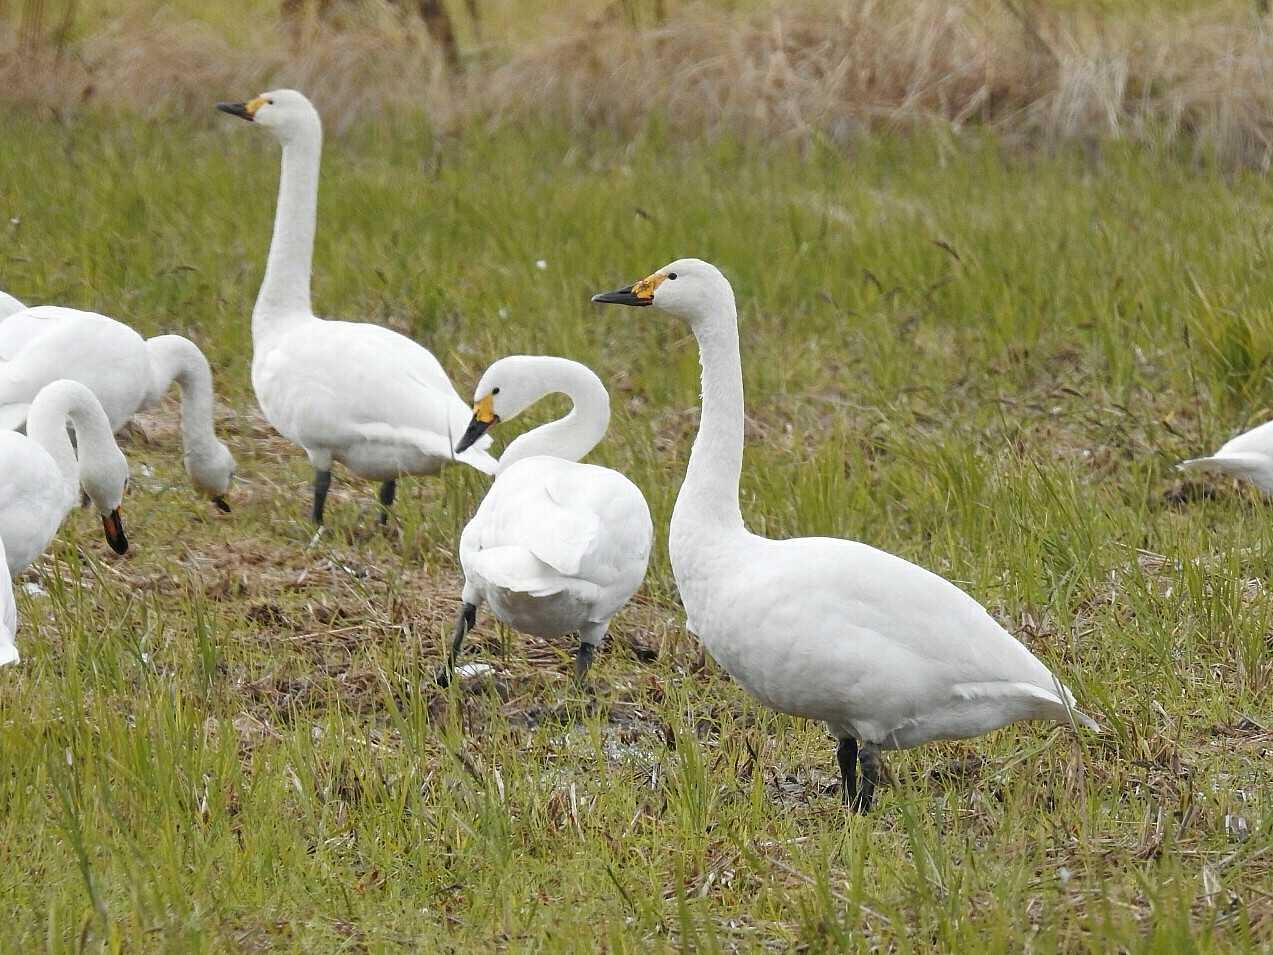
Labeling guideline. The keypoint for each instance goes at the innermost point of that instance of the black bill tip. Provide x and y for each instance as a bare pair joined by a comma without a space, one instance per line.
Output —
113,524
474,431
236,109
622,296
220,503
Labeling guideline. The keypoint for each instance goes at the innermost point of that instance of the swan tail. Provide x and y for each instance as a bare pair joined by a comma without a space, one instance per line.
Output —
8,650
1235,462
517,569
1029,701
13,417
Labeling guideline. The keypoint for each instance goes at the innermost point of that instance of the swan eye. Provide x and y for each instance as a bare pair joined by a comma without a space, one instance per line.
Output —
269,102
495,391
671,275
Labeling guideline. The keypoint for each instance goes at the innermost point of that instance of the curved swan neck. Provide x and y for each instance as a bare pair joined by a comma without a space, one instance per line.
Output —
46,426
173,358
573,436
709,494
285,289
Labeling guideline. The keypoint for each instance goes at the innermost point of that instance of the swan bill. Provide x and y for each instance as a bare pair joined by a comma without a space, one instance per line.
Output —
243,110
477,427
632,295
221,505
113,524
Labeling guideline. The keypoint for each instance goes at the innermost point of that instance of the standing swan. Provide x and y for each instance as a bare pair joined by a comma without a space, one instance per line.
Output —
556,546
8,614
888,654
352,392
40,475
124,371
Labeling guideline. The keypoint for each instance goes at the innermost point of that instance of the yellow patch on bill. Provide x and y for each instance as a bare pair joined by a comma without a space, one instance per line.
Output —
645,288
252,105
484,410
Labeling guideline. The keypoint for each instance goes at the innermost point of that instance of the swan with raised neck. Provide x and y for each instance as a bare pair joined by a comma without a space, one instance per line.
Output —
353,392
888,654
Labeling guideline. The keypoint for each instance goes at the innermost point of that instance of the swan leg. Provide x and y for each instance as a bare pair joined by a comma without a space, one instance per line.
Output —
465,622
583,660
388,491
846,754
322,483
872,774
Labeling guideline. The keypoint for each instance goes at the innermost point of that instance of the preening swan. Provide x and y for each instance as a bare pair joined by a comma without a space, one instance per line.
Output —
1249,456
352,392
556,546
888,654
41,475
8,614
126,372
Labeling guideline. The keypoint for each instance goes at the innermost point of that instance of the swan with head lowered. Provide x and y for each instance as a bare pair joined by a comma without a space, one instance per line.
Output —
556,546
41,473
886,653
8,613
127,374
352,392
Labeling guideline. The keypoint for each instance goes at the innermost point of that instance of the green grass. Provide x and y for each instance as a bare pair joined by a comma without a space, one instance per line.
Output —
985,362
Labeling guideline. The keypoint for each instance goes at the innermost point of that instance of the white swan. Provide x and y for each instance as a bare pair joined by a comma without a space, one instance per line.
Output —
352,392
556,546
9,305
40,475
886,653
126,372
1249,456
8,614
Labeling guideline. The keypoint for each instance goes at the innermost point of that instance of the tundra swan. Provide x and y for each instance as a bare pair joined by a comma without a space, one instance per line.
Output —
41,473
886,653
352,392
556,546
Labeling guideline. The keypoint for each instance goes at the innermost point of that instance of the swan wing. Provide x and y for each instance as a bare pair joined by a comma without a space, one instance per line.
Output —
585,523
9,305
18,329
331,384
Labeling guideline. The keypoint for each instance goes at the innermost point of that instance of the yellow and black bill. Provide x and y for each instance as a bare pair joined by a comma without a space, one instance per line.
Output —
113,524
243,110
639,293
483,417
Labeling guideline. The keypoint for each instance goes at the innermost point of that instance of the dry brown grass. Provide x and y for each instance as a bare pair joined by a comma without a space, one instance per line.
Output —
788,71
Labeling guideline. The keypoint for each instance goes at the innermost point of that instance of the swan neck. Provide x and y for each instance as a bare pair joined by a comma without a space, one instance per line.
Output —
46,426
581,430
177,359
709,495
285,289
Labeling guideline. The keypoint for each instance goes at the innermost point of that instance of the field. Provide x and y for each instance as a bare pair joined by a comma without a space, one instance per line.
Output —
984,358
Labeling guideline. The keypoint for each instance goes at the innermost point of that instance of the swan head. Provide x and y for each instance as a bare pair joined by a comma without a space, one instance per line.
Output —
211,469
283,112
505,390
104,476
687,288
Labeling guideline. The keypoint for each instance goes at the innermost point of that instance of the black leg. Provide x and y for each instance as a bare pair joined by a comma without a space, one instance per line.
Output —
583,660
846,754
322,483
463,624
872,774
388,491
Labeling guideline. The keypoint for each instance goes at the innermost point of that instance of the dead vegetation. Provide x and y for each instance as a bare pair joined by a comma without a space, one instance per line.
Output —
808,70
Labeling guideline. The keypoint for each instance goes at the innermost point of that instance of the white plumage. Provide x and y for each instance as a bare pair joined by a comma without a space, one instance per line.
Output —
556,546
888,654
41,473
124,371
9,305
1249,456
352,392
8,613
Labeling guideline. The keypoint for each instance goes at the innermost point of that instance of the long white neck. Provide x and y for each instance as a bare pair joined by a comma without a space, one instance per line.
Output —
284,294
173,358
573,436
46,426
709,494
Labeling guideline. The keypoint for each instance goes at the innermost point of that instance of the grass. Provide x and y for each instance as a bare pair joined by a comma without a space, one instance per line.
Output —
984,361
